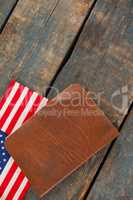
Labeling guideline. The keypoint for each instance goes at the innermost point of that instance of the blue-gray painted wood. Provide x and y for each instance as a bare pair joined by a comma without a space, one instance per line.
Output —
115,180
36,39
6,7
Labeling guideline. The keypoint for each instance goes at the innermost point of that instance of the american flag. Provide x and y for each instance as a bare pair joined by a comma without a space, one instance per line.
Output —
17,105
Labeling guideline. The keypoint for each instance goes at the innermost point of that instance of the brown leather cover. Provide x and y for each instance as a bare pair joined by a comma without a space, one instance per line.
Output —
59,139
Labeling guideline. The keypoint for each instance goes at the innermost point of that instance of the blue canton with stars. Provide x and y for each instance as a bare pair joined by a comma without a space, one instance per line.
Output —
4,155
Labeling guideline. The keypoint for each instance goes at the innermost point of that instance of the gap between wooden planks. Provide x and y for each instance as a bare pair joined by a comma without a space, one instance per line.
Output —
6,9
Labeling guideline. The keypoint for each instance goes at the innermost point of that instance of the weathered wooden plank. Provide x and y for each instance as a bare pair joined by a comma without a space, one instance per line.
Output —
102,62
116,178
35,41
102,59
5,9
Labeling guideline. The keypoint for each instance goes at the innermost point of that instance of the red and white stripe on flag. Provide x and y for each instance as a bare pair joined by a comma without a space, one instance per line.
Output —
18,104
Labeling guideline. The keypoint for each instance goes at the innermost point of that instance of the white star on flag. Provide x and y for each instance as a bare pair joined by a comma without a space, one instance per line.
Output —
18,104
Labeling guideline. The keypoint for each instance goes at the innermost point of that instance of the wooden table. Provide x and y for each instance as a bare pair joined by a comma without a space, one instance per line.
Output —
52,43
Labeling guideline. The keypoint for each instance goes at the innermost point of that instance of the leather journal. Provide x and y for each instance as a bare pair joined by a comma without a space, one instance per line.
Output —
60,138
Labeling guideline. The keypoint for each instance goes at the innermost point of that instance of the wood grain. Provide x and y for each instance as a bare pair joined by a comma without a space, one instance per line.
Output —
102,61
37,38
116,178
5,9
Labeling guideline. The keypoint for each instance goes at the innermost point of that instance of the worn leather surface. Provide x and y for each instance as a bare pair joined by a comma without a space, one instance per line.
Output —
60,138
